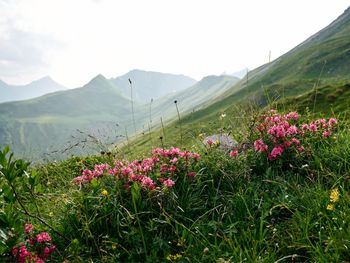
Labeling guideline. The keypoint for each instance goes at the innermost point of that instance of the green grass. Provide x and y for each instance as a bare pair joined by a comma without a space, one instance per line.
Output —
235,209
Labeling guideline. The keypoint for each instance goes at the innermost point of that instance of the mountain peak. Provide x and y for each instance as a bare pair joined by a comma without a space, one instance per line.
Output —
98,78
3,83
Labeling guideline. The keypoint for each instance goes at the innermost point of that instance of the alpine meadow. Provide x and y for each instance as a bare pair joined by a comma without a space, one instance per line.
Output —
159,167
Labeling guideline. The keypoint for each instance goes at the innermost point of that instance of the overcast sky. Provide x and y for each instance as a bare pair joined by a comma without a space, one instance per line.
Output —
74,40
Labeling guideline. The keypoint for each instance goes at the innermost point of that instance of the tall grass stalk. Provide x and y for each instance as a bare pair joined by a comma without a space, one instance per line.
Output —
132,106
163,130
316,86
178,115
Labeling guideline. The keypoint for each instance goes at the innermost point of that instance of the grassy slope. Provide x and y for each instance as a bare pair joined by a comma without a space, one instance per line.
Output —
236,209
330,100
324,58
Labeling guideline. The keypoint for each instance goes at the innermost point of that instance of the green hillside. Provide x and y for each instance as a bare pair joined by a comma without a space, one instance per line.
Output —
48,122
313,75
324,58
191,99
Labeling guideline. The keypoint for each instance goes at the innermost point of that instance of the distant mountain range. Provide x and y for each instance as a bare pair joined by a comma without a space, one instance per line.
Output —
47,123
34,89
103,105
149,85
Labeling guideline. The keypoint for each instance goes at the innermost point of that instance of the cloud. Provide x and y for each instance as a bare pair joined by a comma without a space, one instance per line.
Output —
24,55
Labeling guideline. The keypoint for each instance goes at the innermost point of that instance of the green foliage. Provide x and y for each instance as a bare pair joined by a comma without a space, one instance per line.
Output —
12,177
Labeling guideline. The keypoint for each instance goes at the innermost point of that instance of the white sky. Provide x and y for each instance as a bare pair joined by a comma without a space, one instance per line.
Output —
74,40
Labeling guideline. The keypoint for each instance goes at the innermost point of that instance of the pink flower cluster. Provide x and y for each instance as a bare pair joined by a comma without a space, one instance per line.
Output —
36,248
161,169
43,237
280,133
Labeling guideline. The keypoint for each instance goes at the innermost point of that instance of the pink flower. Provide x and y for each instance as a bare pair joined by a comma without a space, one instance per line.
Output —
287,144
28,228
313,127
305,126
172,169
326,134
301,149
47,251
234,153
133,177
31,241
163,168
276,151
14,251
196,156
79,180
292,115
191,174
210,142
320,121
292,130
113,171
126,171
277,130
260,146
332,121
168,183
24,255
38,259
175,151
174,160
295,141
148,183
43,237
87,172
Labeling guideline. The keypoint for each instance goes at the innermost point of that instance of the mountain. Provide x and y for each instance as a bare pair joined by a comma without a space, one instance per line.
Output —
34,89
49,121
149,85
193,98
314,74
97,110
322,59
240,74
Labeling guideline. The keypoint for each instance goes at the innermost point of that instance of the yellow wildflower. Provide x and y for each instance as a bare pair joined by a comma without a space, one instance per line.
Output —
114,246
334,196
173,257
104,192
330,207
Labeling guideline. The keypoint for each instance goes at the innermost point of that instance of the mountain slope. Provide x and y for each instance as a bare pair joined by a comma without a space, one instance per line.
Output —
149,84
322,59
34,89
194,97
314,74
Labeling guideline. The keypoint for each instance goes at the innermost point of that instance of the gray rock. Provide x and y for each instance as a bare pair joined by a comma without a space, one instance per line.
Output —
225,140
